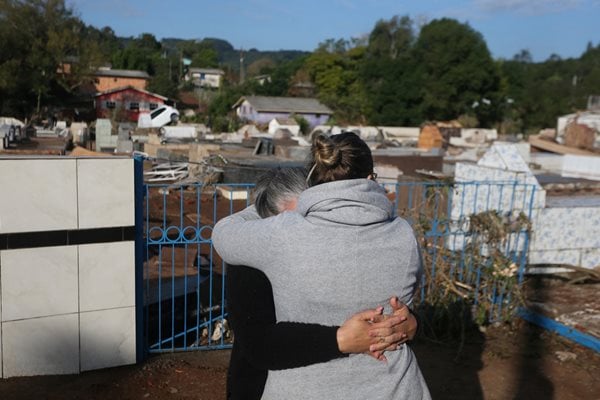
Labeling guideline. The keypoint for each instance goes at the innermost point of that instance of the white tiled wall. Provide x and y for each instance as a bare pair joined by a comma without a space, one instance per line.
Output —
53,297
71,308
43,190
41,346
566,228
106,276
571,257
107,338
62,194
590,258
560,235
38,282
105,192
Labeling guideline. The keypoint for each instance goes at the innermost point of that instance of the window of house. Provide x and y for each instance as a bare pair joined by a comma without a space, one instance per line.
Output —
153,106
134,105
110,104
96,80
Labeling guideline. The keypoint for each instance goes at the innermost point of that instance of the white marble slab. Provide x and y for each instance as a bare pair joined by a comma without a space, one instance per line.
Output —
494,190
38,195
105,193
106,275
41,346
576,166
39,282
504,156
590,258
107,338
570,257
562,228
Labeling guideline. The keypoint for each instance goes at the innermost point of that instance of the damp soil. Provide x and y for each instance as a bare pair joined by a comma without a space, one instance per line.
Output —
503,362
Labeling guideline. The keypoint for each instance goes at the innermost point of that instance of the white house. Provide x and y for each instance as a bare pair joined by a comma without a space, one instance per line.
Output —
205,77
262,109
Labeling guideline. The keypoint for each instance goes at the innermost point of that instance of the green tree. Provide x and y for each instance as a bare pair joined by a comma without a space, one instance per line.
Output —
37,39
390,76
142,53
166,78
391,38
334,68
205,58
457,74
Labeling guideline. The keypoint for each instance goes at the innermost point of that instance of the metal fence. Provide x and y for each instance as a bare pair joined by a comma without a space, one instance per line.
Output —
474,239
184,279
184,305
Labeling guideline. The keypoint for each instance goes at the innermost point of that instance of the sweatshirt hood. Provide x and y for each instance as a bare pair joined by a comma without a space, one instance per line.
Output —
349,202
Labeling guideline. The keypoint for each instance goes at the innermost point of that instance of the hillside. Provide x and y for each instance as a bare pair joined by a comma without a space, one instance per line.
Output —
228,56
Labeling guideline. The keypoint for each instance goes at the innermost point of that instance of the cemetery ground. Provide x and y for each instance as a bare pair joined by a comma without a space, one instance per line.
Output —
516,361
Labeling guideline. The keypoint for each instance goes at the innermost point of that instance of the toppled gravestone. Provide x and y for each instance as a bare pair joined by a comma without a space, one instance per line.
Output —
580,136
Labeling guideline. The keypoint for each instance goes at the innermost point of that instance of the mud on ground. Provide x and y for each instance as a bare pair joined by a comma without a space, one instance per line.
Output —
501,363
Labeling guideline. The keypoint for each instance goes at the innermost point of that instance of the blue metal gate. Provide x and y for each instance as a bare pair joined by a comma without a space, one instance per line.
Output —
182,279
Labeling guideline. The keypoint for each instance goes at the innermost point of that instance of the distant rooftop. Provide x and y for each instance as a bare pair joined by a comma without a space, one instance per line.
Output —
286,121
207,71
285,104
129,87
122,73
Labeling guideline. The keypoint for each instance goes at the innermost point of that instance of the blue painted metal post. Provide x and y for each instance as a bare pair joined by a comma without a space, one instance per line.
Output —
568,332
140,340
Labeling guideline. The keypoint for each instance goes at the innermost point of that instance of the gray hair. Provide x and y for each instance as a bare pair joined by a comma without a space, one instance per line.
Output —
277,186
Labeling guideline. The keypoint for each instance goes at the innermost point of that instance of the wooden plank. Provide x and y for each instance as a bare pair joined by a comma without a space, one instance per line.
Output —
546,145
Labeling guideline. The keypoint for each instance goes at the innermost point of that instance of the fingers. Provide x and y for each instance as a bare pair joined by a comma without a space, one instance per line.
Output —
389,322
387,346
369,315
389,339
383,347
396,304
378,318
378,355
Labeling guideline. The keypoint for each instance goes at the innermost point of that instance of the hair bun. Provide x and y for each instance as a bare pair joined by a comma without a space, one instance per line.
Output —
326,152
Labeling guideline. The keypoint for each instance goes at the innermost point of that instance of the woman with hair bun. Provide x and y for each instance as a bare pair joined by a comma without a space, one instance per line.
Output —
341,250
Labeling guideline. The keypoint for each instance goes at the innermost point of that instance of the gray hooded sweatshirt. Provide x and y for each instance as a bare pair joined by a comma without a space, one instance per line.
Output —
340,252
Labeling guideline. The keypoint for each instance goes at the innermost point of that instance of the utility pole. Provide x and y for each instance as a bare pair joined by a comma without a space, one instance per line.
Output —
180,64
39,94
242,70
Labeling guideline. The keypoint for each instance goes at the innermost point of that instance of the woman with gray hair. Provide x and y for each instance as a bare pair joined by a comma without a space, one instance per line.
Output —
261,343
277,190
342,250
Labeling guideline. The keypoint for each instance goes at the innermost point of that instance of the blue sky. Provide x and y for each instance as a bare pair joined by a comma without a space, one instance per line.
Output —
543,27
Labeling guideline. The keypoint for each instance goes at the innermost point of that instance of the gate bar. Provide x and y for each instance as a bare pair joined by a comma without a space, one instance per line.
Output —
138,174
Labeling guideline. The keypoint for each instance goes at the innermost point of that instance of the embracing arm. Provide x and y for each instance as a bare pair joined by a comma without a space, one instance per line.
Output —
243,238
291,344
269,345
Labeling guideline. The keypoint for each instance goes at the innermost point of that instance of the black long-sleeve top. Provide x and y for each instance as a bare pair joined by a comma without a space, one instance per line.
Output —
261,343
